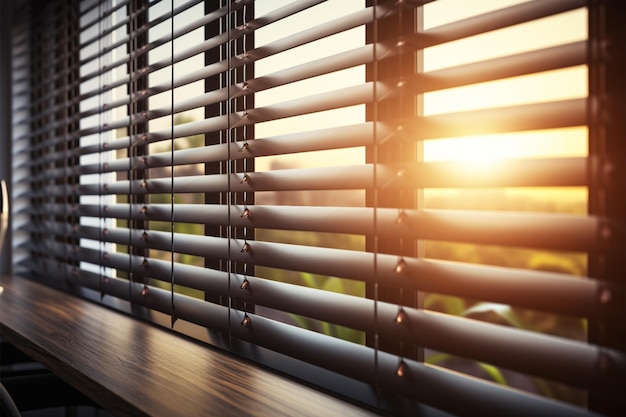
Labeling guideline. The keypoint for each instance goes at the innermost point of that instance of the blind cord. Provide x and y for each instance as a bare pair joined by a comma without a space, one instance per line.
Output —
132,133
375,127
228,109
172,278
100,158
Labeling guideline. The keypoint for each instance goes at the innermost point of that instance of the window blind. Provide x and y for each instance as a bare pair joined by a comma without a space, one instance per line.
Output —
264,176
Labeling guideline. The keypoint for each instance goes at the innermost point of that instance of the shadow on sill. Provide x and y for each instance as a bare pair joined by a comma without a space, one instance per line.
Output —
37,392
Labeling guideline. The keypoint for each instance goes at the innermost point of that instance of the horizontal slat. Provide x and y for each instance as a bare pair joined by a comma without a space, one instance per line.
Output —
197,311
522,288
108,47
194,310
209,315
119,143
554,351
338,25
548,172
557,172
292,41
322,30
536,230
46,56
560,293
498,19
311,69
46,105
87,6
188,129
506,119
315,68
533,289
194,277
540,172
530,119
537,116
503,285
110,105
46,112
547,231
204,279
345,97
114,65
571,362
65,153
349,97
220,39
568,361
152,23
509,66
103,88
197,49
115,287
356,361
470,396
323,139
50,125
110,29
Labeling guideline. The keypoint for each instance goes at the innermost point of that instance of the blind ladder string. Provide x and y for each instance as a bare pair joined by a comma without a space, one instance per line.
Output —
172,278
375,127
244,148
103,119
145,176
228,139
100,154
400,371
131,154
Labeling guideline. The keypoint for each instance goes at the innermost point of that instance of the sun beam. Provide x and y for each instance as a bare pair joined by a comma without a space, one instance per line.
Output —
485,149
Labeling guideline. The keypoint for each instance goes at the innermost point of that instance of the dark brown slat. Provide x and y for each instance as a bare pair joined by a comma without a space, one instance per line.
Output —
550,115
497,19
548,59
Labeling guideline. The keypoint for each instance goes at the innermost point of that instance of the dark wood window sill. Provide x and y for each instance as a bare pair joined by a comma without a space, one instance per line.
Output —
133,368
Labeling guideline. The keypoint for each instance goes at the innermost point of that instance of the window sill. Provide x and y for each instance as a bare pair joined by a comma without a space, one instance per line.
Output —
133,368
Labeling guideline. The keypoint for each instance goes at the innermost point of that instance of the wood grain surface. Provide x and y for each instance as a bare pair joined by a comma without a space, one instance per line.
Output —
132,368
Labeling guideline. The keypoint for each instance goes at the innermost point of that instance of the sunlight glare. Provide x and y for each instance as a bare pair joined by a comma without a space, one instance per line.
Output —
485,149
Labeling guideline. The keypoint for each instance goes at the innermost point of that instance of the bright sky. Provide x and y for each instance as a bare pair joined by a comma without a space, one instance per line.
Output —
548,86
553,85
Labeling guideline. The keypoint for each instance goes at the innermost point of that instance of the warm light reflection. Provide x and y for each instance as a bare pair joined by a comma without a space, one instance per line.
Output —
562,84
554,30
485,149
